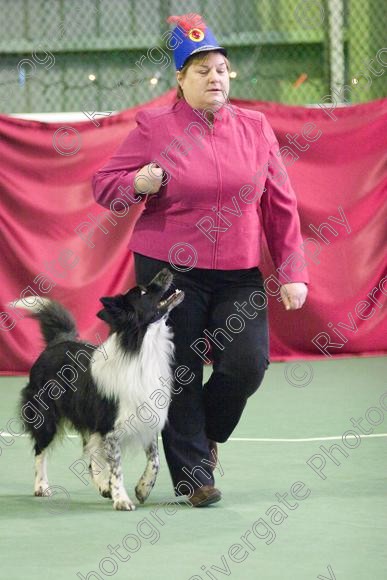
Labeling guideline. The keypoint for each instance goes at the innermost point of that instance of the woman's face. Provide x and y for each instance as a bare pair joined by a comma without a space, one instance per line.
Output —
206,83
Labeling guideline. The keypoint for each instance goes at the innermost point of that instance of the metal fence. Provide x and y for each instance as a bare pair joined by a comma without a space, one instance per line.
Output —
100,55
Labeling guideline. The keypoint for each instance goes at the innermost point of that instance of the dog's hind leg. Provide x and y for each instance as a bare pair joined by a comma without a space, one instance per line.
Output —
148,478
42,486
85,441
121,500
42,437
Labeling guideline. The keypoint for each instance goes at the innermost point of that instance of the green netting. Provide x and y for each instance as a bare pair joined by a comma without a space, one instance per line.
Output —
76,55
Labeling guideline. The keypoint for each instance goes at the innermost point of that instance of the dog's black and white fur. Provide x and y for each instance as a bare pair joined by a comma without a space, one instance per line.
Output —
118,378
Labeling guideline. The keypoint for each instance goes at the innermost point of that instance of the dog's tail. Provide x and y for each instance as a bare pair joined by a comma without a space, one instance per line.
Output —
56,323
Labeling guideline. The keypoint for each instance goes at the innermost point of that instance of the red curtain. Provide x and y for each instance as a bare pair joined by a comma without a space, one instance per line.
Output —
52,245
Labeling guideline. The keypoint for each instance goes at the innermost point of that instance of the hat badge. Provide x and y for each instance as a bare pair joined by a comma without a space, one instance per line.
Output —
193,36
196,34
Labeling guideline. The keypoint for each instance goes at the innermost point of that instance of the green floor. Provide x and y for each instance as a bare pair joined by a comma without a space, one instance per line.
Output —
338,531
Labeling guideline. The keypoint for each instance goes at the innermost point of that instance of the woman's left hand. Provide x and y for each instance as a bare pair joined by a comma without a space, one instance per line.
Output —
294,295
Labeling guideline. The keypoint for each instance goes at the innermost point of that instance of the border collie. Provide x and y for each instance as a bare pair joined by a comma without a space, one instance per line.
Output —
116,380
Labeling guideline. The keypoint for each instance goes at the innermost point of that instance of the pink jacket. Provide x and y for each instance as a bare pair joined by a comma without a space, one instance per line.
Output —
222,186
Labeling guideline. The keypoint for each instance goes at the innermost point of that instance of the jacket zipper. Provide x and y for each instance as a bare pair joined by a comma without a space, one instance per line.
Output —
219,183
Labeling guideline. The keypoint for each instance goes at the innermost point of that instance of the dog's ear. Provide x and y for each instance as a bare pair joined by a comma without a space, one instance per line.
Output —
115,310
104,315
112,309
109,301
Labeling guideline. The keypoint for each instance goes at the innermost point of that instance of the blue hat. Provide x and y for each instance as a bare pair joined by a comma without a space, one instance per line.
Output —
193,36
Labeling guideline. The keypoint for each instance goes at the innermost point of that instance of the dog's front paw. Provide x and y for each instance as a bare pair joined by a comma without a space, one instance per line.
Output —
42,489
124,505
143,490
104,489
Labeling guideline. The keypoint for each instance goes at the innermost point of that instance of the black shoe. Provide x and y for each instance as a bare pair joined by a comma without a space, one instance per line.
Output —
204,496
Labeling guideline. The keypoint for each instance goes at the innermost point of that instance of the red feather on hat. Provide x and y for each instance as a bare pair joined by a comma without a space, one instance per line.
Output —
188,21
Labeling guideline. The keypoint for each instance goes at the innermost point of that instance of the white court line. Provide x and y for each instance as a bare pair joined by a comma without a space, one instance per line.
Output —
306,439
256,439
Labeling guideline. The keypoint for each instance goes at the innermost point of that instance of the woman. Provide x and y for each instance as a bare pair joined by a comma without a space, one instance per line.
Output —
194,166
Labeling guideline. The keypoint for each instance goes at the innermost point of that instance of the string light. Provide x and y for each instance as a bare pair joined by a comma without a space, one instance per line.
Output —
233,74
92,77
155,79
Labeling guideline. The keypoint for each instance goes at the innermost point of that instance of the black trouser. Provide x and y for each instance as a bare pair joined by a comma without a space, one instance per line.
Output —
239,351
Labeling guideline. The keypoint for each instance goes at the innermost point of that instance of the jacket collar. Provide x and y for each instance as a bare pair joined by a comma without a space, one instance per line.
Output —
221,117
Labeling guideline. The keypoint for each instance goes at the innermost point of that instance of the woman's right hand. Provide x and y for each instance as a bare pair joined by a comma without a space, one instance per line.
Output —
148,179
